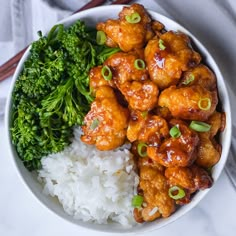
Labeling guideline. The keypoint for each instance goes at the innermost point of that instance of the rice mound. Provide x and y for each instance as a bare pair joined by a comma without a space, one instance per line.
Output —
92,185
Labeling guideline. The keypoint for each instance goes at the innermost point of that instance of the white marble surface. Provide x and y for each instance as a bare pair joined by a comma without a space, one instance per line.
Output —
22,215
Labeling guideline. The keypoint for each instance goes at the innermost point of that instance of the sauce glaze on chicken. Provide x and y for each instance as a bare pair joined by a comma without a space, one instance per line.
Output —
141,104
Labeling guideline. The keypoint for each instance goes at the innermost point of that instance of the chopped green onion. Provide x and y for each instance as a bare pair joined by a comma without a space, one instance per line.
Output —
142,149
176,192
137,201
106,73
200,126
175,132
204,104
101,38
209,169
144,114
133,18
189,79
94,124
161,44
139,64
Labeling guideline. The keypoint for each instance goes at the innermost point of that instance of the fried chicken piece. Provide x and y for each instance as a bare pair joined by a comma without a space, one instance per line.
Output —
140,95
164,112
150,129
217,122
209,151
154,131
106,122
96,79
136,122
128,36
192,178
123,67
146,161
140,92
168,56
189,103
157,27
154,187
179,151
199,75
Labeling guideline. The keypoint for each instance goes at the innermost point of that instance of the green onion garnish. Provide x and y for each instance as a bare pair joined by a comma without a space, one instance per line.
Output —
94,124
175,132
137,201
204,104
144,114
176,192
189,79
106,73
139,64
161,44
101,38
133,18
142,149
200,126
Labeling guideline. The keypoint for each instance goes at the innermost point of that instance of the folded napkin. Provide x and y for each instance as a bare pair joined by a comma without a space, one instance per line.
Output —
213,22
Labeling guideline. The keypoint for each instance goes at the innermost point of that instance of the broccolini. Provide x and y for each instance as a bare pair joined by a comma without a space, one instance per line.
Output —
52,92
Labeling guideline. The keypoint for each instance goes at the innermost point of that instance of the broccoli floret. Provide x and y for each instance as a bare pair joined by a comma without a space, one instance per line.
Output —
52,92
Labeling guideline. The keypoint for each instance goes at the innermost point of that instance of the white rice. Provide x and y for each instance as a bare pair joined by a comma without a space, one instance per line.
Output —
92,185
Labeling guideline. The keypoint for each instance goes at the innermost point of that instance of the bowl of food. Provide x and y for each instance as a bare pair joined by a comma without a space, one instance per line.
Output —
118,119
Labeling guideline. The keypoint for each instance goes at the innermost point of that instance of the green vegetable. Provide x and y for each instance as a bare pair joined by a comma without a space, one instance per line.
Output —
137,201
176,192
95,124
133,18
199,126
204,104
142,149
161,44
106,73
101,38
189,79
139,64
175,132
105,52
144,114
52,92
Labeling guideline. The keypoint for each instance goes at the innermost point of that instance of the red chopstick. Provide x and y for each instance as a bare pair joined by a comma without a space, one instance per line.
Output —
91,4
9,67
121,1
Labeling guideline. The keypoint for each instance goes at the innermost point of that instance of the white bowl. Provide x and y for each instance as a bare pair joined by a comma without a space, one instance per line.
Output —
91,17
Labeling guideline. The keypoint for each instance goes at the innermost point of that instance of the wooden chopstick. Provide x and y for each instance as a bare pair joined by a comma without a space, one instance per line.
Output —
91,4
121,1
8,68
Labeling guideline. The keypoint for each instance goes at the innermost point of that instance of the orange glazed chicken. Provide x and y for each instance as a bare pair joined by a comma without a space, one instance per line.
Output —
106,123
176,151
131,77
154,187
190,103
168,56
156,95
131,31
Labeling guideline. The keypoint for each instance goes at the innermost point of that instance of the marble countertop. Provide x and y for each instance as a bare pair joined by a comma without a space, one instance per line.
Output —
21,214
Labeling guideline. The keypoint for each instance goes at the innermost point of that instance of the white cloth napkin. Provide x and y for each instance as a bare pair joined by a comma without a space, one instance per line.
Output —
213,22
